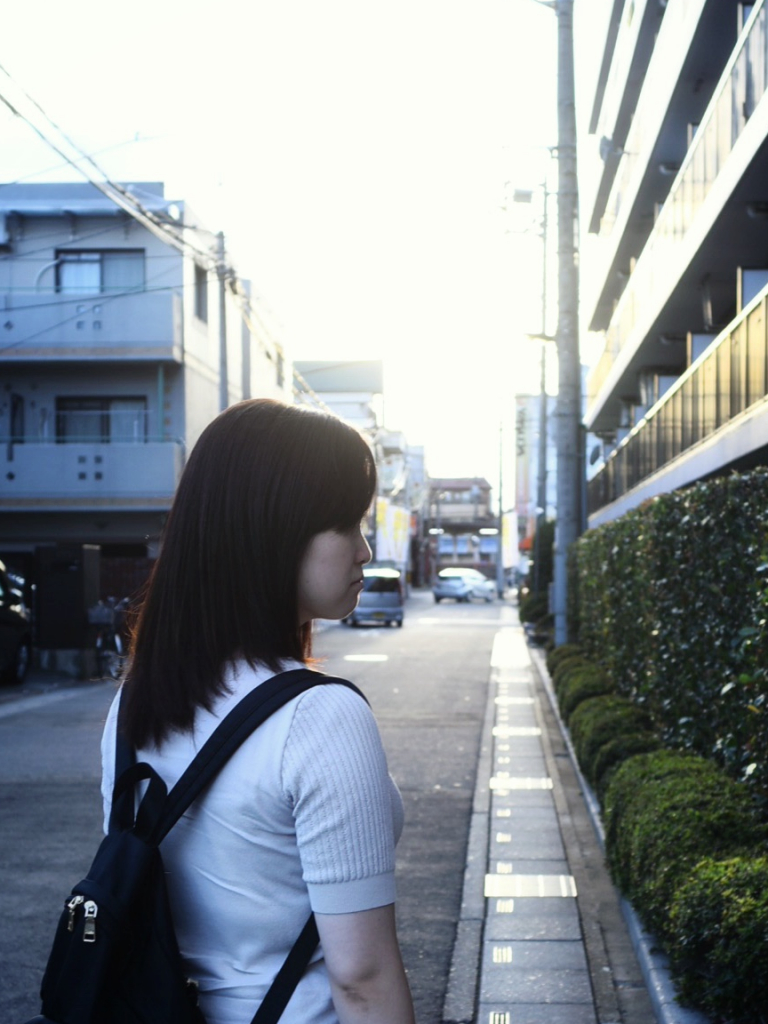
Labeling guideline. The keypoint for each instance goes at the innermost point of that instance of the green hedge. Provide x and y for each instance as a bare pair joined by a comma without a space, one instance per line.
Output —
682,841
533,607
665,812
719,938
558,654
605,721
583,683
673,604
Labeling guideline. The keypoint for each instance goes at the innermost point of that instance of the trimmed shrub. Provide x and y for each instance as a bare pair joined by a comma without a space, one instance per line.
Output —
615,752
581,684
558,654
533,607
566,667
664,812
598,721
719,939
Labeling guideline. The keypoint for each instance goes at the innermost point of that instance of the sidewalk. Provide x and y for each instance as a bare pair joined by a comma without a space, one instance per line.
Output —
42,686
543,937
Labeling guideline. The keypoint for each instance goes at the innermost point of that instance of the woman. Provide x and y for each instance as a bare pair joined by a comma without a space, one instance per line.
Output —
264,536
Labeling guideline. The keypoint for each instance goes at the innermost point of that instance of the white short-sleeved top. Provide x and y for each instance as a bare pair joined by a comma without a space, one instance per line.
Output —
304,816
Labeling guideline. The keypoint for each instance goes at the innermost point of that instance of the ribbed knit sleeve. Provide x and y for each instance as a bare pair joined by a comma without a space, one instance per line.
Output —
345,806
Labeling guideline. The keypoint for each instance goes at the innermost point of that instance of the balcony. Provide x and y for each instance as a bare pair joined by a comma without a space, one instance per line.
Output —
719,400
118,475
673,243
50,326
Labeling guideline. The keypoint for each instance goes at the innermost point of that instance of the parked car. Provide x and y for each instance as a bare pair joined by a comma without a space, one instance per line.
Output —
15,632
382,598
462,583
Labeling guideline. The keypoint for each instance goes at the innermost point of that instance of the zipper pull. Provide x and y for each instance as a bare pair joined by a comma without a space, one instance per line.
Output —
72,906
89,923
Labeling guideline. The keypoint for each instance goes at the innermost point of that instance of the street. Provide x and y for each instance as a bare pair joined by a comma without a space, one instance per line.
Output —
427,684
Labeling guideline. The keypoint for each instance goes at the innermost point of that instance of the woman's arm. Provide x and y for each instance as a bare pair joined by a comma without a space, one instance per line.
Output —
366,971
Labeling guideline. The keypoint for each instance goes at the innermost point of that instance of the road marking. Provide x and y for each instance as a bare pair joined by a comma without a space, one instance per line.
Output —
430,621
366,657
16,707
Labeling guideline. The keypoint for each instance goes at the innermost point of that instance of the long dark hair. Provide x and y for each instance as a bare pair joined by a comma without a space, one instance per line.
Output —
261,482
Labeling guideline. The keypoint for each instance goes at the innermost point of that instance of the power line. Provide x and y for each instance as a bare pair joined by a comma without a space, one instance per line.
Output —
117,193
128,202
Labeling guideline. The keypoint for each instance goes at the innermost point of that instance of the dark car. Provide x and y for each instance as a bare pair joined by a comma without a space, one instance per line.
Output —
15,632
382,598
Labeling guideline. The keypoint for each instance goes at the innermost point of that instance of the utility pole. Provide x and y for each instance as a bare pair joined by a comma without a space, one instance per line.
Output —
568,416
541,509
500,536
221,271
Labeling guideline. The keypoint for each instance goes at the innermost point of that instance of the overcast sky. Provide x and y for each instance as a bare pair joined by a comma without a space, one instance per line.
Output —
354,153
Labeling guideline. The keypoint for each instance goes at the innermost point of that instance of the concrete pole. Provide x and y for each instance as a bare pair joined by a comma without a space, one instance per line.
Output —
541,511
568,415
500,538
221,270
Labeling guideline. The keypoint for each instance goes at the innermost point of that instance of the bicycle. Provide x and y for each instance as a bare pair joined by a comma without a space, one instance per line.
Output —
108,617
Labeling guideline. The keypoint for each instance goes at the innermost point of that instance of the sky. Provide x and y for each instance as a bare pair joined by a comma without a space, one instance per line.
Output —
360,158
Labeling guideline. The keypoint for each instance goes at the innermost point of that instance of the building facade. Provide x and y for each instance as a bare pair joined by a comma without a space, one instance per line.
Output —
672,102
462,524
120,341
527,464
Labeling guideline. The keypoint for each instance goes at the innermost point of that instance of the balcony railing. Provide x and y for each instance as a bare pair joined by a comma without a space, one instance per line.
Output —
40,324
44,474
727,380
742,86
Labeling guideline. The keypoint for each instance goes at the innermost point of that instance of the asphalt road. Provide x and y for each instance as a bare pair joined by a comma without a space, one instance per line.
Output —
427,684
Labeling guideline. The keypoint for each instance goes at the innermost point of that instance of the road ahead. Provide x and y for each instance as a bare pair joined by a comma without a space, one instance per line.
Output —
427,684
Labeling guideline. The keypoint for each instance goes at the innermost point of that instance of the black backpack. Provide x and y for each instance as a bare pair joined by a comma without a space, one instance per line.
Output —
115,958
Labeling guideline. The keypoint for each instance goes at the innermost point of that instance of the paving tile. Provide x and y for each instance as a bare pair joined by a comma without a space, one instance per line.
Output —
510,984
526,797
518,764
527,866
523,817
505,882
535,955
517,844
564,1013
523,918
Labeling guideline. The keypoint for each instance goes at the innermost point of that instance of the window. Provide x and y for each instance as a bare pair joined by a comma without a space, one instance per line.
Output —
201,292
94,271
101,420
17,419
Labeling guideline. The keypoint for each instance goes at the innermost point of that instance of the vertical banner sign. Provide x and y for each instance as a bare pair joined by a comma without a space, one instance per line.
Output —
393,525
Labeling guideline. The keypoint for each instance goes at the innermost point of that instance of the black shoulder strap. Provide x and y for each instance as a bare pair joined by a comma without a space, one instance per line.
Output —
232,731
228,735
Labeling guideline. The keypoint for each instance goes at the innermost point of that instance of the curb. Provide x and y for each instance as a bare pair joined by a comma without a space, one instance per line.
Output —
460,1000
653,964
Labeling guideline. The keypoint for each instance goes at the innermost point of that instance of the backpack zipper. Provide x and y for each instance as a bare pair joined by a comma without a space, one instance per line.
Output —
72,906
89,923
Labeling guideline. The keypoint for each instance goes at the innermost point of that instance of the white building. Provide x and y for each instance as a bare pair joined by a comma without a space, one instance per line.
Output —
673,178
111,362
527,434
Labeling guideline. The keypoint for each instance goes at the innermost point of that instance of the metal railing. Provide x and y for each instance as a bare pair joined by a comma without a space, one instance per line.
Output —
727,380
741,87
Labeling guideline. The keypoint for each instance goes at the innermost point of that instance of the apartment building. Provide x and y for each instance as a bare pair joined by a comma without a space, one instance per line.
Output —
121,337
673,175
463,524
